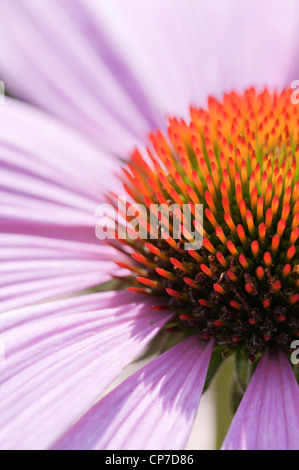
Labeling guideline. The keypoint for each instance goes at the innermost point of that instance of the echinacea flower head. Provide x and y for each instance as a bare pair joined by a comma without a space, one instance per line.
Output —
204,261
239,159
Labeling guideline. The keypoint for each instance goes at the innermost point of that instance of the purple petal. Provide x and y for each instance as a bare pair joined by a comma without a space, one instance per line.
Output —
53,179
34,145
33,269
185,51
114,63
89,89
153,409
268,416
59,357
51,182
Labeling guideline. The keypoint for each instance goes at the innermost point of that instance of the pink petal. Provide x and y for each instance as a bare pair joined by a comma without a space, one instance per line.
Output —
185,51
52,179
118,62
153,409
88,93
33,269
268,416
59,357
36,146
24,247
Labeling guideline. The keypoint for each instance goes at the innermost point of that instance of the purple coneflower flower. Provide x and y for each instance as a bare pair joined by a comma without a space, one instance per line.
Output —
238,156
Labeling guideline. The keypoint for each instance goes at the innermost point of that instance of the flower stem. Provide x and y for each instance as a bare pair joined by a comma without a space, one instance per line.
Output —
223,385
